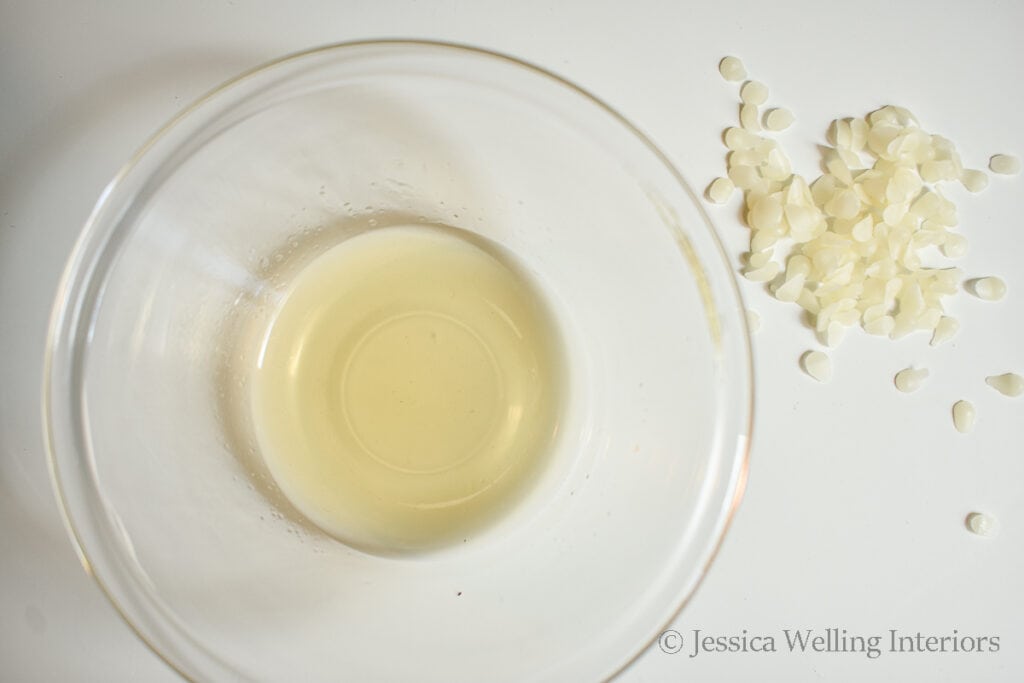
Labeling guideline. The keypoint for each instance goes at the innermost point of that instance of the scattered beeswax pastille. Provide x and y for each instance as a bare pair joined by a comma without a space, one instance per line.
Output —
817,365
738,138
1004,164
832,335
754,92
974,181
1007,384
748,117
963,416
955,246
987,288
765,273
944,330
910,379
732,69
720,190
778,119
981,524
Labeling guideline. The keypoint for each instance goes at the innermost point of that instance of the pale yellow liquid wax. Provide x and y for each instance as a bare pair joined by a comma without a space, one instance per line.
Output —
408,389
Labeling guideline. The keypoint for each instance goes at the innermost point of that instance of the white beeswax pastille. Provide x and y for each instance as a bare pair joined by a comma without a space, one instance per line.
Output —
778,119
1008,384
955,246
748,117
974,181
910,379
988,288
720,190
981,524
963,416
765,273
754,92
817,365
732,69
738,138
944,330
1004,164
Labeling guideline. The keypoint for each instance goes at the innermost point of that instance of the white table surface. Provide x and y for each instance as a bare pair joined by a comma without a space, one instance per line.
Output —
853,517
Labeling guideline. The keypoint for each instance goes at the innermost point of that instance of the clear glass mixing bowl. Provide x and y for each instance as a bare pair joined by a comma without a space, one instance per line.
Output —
148,425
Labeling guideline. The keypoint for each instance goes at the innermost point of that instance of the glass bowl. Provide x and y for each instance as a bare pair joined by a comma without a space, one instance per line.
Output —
150,433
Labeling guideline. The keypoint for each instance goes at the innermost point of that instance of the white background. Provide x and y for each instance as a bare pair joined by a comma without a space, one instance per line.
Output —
854,513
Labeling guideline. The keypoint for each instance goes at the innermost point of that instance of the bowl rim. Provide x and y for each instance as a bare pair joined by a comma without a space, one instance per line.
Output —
91,243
